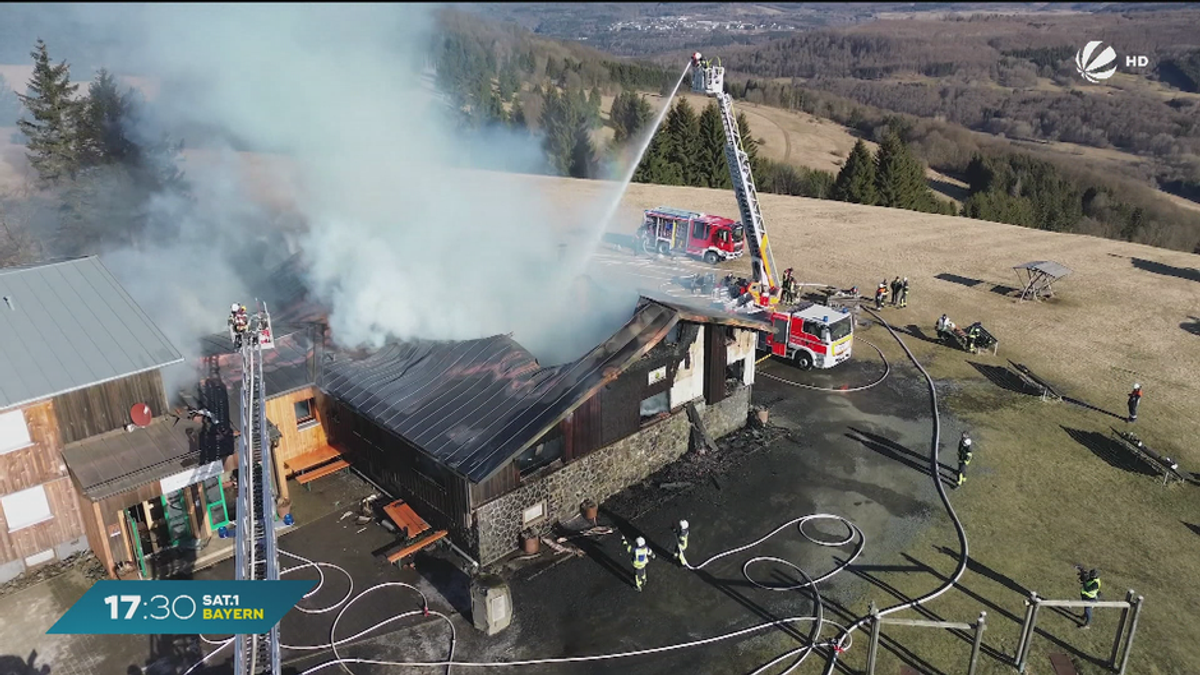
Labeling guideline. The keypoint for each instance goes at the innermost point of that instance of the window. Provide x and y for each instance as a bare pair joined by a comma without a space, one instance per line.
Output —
700,230
14,434
737,233
540,455
655,405
781,330
25,508
533,514
306,411
841,328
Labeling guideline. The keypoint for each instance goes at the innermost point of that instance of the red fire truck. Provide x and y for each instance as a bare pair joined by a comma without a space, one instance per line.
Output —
712,238
808,335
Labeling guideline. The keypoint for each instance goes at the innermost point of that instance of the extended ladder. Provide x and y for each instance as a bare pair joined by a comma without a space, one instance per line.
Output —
256,555
710,79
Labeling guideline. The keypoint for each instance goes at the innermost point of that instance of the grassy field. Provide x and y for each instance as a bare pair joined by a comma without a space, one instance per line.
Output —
1048,487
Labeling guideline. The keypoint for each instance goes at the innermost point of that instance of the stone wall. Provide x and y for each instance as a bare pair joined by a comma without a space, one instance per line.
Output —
727,416
599,475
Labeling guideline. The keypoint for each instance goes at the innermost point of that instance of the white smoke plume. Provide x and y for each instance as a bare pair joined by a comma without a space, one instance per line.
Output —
401,240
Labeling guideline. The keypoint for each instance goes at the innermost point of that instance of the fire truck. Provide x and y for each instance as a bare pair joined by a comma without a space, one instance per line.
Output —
808,334
713,238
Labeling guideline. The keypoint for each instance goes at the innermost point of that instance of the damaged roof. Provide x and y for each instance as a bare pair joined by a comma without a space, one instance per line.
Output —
473,405
69,325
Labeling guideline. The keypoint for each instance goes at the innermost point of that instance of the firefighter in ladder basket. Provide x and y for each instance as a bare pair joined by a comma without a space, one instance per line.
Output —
239,321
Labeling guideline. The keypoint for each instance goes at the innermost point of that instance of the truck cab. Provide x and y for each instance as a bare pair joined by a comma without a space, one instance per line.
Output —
809,335
711,238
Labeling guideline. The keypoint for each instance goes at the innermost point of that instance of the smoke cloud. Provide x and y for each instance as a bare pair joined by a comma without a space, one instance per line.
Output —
403,238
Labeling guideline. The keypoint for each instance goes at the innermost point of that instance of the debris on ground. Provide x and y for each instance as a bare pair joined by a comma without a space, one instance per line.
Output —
86,563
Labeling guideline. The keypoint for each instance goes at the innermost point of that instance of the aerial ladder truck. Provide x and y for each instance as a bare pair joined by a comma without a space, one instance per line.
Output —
808,334
256,554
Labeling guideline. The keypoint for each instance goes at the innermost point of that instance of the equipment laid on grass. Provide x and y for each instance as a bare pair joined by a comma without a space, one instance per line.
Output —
1046,390
676,231
973,339
1168,467
1037,279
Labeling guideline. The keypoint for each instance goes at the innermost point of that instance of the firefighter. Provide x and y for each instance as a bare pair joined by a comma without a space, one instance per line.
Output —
895,291
642,555
1089,591
681,541
972,336
904,292
238,321
964,457
1135,398
789,286
881,294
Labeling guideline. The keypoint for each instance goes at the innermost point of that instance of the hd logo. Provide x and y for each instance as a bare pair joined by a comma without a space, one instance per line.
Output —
1098,66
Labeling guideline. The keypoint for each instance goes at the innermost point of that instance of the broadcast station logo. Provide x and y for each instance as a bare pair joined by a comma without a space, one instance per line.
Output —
1097,67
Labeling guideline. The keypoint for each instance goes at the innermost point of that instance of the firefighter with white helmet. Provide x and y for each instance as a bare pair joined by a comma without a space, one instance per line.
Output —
642,555
964,457
1135,398
238,323
681,542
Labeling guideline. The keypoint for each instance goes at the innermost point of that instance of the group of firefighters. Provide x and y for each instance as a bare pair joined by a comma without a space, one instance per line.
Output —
642,554
899,293
946,327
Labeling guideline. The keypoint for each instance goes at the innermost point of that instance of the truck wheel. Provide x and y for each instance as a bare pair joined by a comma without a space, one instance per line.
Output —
664,248
803,360
711,258
647,247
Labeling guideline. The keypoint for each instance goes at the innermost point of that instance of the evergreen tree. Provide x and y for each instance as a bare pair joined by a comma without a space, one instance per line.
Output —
102,129
683,132
629,115
655,167
749,145
594,102
856,181
10,105
583,153
509,81
900,177
713,170
53,131
516,117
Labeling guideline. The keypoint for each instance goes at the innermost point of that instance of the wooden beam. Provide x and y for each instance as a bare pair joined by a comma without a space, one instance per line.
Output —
1083,603
921,623
105,549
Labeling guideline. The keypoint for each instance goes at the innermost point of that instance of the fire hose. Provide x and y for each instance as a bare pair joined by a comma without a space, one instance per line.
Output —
836,646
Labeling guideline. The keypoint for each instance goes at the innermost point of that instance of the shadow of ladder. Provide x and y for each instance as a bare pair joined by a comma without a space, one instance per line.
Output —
701,433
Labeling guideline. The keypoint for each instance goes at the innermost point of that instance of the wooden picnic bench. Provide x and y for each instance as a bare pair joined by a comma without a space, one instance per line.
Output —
413,529
315,464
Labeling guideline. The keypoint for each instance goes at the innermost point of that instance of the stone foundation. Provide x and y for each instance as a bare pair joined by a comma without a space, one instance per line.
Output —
598,476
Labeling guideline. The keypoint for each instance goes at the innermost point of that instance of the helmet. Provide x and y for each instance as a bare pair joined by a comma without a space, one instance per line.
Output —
640,541
966,440
233,307
683,524
1137,386
1093,574
906,278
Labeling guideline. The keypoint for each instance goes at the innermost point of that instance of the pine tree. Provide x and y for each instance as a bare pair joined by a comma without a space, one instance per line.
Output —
594,102
856,181
103,123
713,170
629,115
655,167
583,153
52,133
683,130
749,145
900,177
516,116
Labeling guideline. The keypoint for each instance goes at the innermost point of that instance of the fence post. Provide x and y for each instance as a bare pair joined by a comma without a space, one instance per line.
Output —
979,628
1029,633
1137,610
1029,603
873,647
1116,648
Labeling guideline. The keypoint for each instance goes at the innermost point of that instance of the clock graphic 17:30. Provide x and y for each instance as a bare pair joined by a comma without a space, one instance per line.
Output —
158,607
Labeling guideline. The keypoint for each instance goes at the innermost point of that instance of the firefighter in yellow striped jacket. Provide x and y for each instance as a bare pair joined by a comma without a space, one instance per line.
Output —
642,555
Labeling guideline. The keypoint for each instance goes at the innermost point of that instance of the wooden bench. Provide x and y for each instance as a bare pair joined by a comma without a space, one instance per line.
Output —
1062,665
412,527
311,459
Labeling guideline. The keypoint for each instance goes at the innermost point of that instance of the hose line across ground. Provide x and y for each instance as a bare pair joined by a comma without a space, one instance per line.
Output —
843,641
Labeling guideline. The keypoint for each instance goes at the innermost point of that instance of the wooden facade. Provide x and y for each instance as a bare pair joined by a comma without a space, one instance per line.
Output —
105,407
296,436
715,358
39,464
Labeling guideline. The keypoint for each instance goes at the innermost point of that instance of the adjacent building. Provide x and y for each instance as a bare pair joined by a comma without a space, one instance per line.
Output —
77,356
